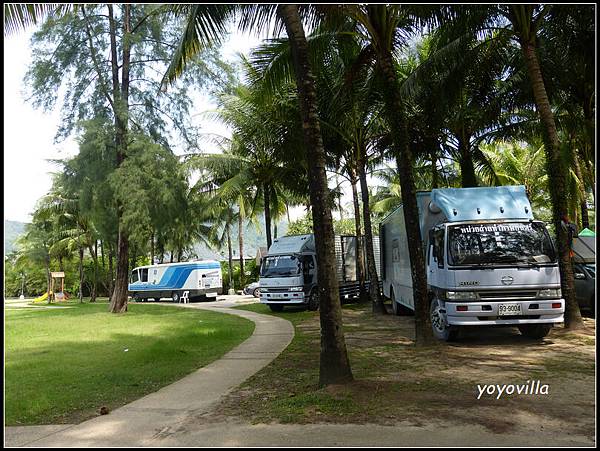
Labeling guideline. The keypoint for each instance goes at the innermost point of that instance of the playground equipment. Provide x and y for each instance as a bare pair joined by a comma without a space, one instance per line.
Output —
60,296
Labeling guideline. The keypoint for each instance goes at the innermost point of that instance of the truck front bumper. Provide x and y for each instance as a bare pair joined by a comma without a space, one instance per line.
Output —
284,297
484,313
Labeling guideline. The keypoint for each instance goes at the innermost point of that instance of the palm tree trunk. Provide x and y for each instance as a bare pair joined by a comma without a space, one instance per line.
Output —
557,182
435,176
585,218
360,262
241,247
48,281
152,248
334,367
267,199
230,252
111,273
376,298
94,254
397,122
80,274
467,167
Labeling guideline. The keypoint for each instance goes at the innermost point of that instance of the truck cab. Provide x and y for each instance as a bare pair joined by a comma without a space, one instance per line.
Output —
493,273
288,273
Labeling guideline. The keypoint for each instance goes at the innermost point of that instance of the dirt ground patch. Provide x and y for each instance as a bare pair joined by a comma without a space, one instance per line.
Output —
397,382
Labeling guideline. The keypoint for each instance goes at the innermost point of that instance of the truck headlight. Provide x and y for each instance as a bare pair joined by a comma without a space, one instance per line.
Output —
296,288
461,295
550,293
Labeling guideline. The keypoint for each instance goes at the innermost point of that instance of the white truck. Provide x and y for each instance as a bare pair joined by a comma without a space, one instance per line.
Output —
288,274
488,262
201,279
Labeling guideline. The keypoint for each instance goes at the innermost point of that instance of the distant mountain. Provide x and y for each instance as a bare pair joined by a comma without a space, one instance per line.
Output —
12,230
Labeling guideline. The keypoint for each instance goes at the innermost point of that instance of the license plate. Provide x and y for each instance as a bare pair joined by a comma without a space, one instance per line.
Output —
509,309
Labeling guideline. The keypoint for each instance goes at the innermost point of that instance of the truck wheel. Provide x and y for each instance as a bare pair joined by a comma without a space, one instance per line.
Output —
175,296
313,300
276,307
535,330
256,293
439,324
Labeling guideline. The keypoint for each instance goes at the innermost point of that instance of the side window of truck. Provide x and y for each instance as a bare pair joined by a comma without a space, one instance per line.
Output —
144,275
438,247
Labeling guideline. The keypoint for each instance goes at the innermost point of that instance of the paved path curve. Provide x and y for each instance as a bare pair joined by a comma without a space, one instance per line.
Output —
148,420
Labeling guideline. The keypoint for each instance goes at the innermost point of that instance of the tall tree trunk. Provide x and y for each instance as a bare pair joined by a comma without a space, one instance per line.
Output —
334,365
435,176
275,230
94,253
111,272
557,181
80,274
102,254
48,281
376,297
585,218
241,247
267,199
152,248
61,266
337,181
230,255
118,302
467,167
397,121
360,261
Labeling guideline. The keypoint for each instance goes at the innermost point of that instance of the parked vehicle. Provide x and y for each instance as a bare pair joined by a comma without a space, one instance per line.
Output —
252,289
288,274
584,266
202,279
488,261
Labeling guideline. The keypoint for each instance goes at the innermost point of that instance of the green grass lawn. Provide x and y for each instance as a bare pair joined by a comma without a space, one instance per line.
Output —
62,363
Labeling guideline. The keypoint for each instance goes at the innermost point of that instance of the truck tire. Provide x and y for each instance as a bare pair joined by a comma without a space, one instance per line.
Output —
313,300
276,307
441,329
535,330
175,296
256,293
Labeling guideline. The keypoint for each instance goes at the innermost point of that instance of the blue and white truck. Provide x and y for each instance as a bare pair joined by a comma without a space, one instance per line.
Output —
488,261
201,279
288,274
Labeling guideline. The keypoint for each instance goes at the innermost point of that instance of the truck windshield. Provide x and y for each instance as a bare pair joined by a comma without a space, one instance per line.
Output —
500,243
281,265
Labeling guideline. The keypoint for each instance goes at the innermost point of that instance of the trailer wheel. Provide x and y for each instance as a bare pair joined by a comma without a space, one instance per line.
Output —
439,324
313,300
175,296
535,330
276,307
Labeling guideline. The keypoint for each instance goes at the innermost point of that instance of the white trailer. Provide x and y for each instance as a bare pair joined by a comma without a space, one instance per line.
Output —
488,262
202,279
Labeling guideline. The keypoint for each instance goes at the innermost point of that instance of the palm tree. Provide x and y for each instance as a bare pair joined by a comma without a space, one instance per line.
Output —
523,23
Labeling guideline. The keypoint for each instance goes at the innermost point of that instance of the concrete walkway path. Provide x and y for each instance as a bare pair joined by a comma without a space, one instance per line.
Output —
145,421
